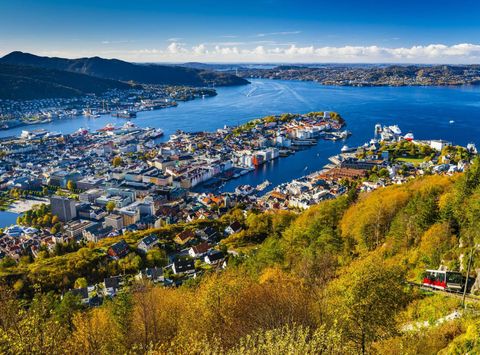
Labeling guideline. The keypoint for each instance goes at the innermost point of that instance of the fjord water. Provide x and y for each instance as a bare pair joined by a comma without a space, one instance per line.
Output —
424,111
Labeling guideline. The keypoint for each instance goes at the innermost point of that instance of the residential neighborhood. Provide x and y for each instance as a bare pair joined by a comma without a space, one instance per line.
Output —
104,185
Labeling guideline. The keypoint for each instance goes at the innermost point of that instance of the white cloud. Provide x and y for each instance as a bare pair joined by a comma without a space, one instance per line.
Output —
176,48
224,52
259,51
201,49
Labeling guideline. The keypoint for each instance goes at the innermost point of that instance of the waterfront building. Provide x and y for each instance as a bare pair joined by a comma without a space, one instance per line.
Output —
63,208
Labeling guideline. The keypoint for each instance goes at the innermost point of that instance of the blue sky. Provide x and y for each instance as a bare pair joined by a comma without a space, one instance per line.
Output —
422,31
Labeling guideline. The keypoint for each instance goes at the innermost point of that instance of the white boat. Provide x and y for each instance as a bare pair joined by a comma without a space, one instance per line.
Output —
156,133
409,137
346,149
472,148
451,121
263,185
395,130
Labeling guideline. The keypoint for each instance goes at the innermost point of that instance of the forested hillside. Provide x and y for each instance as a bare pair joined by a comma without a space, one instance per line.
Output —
328,280
115,69
19,82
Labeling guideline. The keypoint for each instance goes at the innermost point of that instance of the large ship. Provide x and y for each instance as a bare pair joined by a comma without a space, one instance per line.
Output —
125,114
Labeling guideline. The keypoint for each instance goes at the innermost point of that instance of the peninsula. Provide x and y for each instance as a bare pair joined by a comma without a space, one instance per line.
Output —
372,75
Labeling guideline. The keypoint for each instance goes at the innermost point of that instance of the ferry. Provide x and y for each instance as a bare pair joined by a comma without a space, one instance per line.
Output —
158,132
125,114
263,185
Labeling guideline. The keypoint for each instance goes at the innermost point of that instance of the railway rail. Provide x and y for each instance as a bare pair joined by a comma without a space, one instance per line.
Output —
444,292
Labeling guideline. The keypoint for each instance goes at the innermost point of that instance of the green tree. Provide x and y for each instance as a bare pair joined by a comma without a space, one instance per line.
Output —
81,282
156,257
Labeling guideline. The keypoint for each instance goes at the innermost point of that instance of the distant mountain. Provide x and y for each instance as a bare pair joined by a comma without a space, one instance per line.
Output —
124,71
19,82
211,66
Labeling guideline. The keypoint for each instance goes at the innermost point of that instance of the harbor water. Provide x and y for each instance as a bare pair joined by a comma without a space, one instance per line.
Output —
450,113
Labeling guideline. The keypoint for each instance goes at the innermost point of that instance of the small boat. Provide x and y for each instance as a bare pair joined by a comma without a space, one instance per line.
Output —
451,121
409,137
346,149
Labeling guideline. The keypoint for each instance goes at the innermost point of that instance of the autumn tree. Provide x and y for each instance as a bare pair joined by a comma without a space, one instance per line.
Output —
365,300
71,185
117,161
110,206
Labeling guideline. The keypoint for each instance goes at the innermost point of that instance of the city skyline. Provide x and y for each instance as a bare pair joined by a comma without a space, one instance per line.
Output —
264,31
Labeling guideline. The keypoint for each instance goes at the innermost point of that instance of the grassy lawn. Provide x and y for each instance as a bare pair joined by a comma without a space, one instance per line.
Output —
413,160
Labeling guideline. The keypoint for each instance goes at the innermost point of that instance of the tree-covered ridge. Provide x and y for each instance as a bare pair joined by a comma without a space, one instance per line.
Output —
18,82
328,280
115,69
